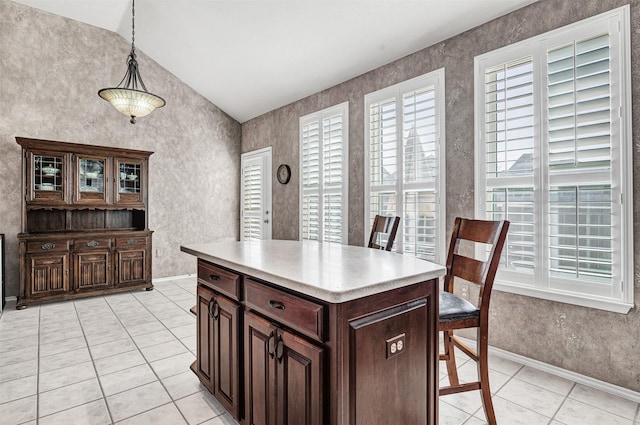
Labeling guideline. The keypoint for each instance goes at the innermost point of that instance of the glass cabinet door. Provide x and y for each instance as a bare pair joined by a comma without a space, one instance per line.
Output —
47,178
129,175
91,175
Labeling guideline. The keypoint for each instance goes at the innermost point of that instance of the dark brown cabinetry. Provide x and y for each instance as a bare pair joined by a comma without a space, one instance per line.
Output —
218,335
284,376
301,360
84,227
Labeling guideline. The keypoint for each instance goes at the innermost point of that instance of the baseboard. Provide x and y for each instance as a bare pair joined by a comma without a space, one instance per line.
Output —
163,279
563,373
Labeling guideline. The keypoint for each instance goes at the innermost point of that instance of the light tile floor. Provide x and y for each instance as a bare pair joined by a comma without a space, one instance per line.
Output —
124,359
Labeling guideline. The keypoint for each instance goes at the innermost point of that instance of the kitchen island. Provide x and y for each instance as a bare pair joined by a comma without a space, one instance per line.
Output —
300,332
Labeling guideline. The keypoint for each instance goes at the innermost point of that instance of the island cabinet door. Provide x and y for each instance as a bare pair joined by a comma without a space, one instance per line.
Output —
260,371
300,380
284,376
226,367
204,341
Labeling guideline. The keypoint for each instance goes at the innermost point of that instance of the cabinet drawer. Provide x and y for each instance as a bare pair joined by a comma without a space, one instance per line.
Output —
131,241
298,313
219,279
93,243
45,246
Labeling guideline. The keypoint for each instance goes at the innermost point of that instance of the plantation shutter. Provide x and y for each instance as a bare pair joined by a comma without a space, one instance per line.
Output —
252,200
579,135
323,141
405,127
509,125
311,181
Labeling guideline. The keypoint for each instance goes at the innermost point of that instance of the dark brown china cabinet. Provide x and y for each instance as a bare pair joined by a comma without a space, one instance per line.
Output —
84,221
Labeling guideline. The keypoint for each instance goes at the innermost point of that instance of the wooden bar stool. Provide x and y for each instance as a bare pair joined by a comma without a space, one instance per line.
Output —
458,313
383,226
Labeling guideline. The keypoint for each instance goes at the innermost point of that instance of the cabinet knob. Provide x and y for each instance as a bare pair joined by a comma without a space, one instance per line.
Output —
48,245
214,277
93,244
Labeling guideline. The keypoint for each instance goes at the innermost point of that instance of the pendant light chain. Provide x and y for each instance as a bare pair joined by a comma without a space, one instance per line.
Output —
133,27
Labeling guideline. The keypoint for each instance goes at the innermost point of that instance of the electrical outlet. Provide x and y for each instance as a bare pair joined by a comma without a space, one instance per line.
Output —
464,291
396,345
158,253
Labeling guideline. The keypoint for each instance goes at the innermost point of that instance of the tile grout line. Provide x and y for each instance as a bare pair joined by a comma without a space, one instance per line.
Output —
145,358
104,398
564,401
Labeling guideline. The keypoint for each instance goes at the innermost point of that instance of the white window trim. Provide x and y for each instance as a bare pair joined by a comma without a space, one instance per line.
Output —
508,282
340,109
437,79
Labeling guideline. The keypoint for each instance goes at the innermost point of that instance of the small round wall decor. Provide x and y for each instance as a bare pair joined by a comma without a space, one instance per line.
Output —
284,173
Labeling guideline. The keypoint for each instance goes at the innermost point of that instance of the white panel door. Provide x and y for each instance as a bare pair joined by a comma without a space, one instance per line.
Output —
255,195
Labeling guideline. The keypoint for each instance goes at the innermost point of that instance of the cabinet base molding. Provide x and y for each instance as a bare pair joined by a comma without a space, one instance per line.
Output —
23,303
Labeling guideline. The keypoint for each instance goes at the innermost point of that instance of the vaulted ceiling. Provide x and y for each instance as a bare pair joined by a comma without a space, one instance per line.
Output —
250,57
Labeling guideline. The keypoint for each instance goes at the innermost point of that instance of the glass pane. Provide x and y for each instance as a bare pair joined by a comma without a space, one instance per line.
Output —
418,225
311,155
509,119
130,178
419,136
91,175
311,217
579,105
580,238
517,206
383,145
332,152
48,173
332,218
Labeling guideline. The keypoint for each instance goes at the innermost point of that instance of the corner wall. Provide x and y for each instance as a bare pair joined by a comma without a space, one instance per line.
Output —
591,342
51,69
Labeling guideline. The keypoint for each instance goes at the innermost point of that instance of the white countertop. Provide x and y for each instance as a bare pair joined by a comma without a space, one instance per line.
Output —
331,272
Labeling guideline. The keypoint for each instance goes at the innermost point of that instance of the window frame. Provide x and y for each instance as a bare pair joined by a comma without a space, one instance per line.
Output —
542,285
437,79
343,110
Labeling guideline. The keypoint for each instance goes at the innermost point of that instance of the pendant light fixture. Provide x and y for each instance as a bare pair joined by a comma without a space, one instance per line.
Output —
131,96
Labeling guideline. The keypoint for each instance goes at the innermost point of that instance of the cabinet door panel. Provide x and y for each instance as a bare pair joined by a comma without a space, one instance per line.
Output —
92,270
129,184
46,177
48,274
130,266
403,370
91,177
205,337
300,382
225,353
260,377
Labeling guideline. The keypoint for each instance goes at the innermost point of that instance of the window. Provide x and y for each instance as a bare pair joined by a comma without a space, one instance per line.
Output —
553,142
404,154
324,175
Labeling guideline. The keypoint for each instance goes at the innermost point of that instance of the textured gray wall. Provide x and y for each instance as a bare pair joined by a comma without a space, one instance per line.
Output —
591,342
51,69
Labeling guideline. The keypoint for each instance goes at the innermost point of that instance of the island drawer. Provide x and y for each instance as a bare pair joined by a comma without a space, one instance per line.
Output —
307,317
219,279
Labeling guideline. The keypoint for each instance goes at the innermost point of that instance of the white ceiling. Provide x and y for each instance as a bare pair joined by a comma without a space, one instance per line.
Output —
250,57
